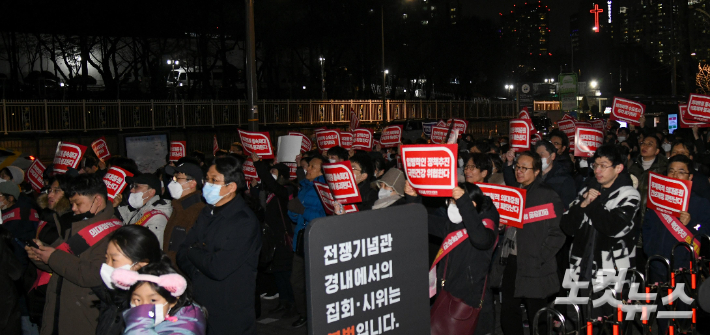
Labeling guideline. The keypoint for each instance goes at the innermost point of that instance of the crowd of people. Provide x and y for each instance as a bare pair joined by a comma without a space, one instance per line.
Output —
193,247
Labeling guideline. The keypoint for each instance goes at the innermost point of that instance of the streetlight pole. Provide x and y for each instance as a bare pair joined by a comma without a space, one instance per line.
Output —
384,72
322,78
253,112
174,79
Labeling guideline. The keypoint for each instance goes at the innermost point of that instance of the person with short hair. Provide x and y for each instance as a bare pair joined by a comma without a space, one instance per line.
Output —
477,168
145,206
236,148
186,190
221,252
649,160
561,143
555,175
337,154
75,260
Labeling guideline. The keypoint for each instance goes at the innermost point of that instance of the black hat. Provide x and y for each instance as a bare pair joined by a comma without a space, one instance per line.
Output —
189,169
145,178
284,170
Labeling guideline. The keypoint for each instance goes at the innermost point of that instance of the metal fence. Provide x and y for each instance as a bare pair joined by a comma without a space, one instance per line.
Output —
84,115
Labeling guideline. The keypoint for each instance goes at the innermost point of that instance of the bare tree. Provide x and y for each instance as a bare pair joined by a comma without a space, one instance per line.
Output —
702,79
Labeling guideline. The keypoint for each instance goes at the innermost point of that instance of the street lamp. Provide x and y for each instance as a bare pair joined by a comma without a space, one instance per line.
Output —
173,77
322,77
593,84
508,87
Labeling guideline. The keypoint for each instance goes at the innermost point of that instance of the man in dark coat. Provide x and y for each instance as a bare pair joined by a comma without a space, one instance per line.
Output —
221,252
186,190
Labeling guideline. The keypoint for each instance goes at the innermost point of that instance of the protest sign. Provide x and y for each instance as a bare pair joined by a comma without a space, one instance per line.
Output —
524,114
306,144
327,139
346,140
566,126
352,208
257,142
366,272
535,138
430,168
354,120
426,128
627,110
441,123
363,139
687,122
101,149
292,167
288,147
342,182
178,149
587,140
438,134
699,107
115,180
510,202
326,197
598,124
391,136
668,195
249,169
34,175
519,135
459,124
68,155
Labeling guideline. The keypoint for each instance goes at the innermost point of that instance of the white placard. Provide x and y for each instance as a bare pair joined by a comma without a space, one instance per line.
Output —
288,148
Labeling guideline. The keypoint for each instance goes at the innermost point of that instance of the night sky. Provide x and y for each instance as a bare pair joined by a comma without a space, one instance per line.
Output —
560,11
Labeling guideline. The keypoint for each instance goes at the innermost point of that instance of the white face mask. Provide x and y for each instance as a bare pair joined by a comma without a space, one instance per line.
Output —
666,147
460,163
453,212
621,138
383,193
545,163
175,189
332,160
106,272
276,177
136,200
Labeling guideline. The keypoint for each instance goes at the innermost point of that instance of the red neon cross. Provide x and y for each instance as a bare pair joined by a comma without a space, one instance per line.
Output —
596,11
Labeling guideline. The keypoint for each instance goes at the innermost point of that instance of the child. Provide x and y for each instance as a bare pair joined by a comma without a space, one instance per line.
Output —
160,301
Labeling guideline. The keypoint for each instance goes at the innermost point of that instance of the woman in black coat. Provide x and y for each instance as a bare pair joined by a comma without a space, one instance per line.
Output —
467,264
10,271
364,173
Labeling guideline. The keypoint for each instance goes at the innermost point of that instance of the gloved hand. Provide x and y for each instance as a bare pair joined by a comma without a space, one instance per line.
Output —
295,205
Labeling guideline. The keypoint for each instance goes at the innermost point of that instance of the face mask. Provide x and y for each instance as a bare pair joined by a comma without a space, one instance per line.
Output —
460,163
159,316
86,215
666,147
175,190
136,200
545,163
106,272
383,193
621,138
211,193
3,206
275,176
332,160
454,214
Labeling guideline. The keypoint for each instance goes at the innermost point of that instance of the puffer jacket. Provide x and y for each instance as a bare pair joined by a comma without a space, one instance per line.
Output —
660,165
308,196
156,223
604,233
189,320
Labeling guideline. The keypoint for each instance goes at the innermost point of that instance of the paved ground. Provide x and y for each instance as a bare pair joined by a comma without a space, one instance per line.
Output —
272,324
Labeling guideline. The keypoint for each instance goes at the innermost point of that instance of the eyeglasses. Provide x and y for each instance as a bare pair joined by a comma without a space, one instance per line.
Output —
54,190
522,168
469,167
175,179
677,172
599,166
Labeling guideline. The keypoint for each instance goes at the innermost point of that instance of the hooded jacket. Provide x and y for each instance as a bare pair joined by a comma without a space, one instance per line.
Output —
77,315
308,196
156,223
604,233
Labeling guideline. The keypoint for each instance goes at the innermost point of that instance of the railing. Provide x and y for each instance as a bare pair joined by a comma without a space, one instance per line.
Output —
83,115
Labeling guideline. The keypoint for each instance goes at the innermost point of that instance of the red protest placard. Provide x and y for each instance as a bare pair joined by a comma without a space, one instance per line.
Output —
431,168
68,156
34,175
342,182
327,139
668,195
115,180
101,149
459,124
510,202
438,134
566,126
325,197
441,123
524,115
519,135
292,167
363,139
391,136
346,140
306,144
535,138
178,149
598,124
627,110
257,142
354,120
586,141
699,107
350,208
249,169
687,122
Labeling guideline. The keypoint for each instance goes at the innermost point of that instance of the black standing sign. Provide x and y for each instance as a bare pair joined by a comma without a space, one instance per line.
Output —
525,94
367,272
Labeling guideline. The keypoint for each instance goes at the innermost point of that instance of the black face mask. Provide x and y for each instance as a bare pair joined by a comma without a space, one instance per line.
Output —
86,215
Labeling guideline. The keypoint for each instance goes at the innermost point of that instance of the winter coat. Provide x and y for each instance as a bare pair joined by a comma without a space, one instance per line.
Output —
111,305
565,161
536,245
156,223
185,213
657,240
367,194
701,185
560,180
604,228
10,271
660,165
220,255
308,196
276,216
77,313
190,320
469,261
21,221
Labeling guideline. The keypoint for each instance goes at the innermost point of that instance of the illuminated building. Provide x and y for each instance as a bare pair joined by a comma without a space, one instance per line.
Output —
526,29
